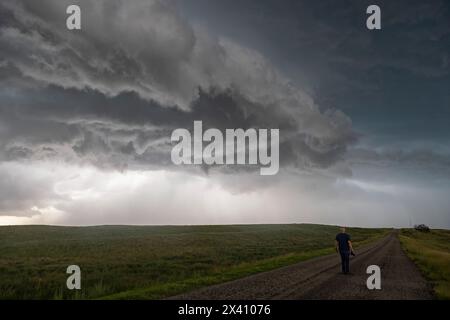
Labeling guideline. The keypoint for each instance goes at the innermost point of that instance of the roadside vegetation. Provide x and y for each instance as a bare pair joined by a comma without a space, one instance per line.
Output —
431,252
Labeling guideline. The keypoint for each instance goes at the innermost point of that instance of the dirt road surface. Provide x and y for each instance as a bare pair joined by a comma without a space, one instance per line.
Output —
320,278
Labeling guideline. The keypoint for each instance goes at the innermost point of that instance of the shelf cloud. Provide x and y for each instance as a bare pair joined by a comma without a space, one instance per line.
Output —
86,113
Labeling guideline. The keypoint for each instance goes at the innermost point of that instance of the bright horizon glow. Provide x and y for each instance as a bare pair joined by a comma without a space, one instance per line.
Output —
85,195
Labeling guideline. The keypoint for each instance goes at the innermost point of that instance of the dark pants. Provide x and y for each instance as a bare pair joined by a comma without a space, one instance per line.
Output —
345,260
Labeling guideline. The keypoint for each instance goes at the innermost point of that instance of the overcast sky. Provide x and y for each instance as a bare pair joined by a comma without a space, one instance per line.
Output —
86,115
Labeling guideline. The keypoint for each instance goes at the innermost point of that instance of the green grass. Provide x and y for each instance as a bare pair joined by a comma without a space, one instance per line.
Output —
431,252
150,262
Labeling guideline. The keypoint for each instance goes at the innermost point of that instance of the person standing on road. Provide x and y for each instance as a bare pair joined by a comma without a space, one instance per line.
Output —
344,248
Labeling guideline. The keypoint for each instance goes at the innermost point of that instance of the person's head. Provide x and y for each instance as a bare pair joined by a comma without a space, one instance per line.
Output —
343,229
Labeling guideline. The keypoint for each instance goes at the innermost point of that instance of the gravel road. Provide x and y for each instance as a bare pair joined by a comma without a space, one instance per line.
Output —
320,278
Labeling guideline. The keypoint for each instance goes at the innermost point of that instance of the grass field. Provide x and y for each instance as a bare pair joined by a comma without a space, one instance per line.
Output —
431,252
150,262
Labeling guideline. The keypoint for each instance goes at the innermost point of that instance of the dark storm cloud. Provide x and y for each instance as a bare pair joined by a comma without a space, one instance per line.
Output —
392,82
330,33
106,131
74,104
112,93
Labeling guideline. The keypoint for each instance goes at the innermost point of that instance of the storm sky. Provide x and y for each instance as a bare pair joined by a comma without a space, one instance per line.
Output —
86,115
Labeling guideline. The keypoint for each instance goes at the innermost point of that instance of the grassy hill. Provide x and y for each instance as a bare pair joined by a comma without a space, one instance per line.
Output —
126,262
